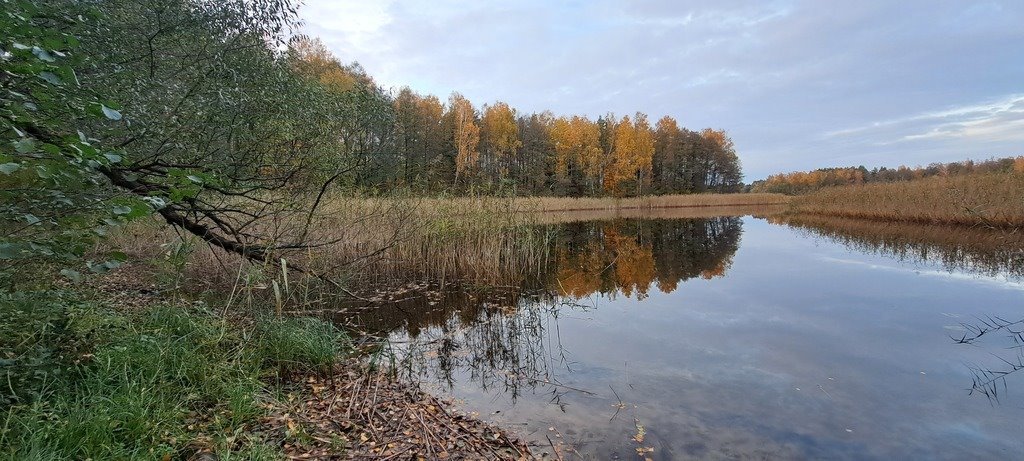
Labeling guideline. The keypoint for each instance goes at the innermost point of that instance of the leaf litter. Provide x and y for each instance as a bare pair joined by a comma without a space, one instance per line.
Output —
362,414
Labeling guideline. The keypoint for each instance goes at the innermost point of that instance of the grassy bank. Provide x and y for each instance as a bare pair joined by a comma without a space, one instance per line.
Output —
995,200
83,381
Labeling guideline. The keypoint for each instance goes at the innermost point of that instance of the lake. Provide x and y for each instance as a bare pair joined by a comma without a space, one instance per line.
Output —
735,338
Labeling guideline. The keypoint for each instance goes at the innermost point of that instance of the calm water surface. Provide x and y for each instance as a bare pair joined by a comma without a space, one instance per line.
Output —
732,338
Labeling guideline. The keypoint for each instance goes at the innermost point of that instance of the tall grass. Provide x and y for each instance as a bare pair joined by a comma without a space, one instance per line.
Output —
995,200
365,241
484,240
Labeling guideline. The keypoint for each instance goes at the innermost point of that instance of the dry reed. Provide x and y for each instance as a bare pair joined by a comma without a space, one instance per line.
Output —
703,212
994,200
651,202
363,243
368,242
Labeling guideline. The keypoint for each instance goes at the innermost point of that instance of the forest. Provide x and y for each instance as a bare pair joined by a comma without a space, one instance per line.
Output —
200,111
427,145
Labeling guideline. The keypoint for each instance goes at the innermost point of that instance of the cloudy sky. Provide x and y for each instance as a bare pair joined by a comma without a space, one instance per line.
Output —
798,84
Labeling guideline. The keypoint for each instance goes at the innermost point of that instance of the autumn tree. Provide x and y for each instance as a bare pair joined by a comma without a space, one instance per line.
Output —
361,112
499,139
667,154
430,117
632,154
606,126
465,134
722,167
310,57
419,136
578,152
537,152
801,182
408,132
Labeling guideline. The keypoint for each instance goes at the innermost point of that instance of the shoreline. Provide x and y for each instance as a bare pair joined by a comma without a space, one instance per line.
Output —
352,410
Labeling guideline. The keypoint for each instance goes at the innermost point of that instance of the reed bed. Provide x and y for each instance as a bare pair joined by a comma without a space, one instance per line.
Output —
481,240
368,242
703,212
392,240
363,244
992,200
652,202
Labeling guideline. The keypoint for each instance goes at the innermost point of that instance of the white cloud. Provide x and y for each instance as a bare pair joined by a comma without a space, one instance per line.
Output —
1000,119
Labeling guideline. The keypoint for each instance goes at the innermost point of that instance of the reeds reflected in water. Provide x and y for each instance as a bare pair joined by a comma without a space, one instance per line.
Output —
978,250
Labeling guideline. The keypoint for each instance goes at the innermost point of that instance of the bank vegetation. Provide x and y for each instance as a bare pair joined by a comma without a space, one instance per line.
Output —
983,199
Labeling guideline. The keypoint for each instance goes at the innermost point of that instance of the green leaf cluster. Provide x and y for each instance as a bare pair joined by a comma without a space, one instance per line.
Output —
54,199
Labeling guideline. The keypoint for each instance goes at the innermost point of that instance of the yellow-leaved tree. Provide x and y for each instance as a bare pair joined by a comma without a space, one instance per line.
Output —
577,141
632,154
312,58
466,135
500,135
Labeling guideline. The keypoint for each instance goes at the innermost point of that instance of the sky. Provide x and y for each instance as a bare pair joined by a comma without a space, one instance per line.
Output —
797,84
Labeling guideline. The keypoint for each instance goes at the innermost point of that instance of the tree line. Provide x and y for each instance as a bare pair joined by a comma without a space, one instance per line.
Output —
802,182
431,145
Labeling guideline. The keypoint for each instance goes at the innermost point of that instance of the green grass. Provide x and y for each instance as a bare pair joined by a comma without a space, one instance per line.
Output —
300,344
82,381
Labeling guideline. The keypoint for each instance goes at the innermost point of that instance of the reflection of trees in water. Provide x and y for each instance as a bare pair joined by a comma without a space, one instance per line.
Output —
628,256
971,249
421,307
507,338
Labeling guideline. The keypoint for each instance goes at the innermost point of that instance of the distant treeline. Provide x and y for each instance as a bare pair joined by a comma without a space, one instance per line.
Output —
428,145
801,182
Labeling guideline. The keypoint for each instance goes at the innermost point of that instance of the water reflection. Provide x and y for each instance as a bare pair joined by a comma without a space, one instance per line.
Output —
507,337
630,256
977,250
782,347
993,253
